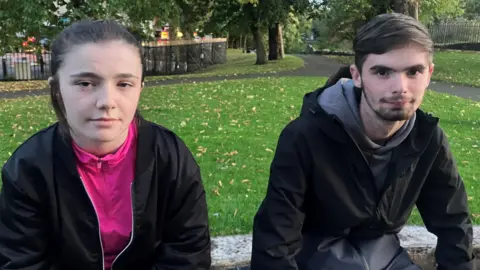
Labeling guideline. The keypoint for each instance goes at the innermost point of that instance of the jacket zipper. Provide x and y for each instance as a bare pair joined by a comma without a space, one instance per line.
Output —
133,226
364,261
98,220
354,142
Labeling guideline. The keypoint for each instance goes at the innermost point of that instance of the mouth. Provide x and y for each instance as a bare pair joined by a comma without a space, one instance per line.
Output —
399,102
103,119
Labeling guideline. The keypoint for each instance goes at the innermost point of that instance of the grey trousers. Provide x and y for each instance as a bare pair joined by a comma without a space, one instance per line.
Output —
384,253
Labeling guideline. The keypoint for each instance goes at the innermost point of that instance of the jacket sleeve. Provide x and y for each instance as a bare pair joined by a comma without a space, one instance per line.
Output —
278,223
23,232
186,241
444,209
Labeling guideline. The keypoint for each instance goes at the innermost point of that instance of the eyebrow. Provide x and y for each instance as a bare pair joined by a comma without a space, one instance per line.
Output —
85,75
126,76
96,76
414,67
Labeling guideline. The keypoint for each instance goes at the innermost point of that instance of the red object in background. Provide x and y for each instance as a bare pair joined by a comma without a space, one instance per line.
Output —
25,44
31,39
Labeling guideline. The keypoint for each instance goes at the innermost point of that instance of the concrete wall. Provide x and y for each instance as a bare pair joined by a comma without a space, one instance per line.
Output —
233,252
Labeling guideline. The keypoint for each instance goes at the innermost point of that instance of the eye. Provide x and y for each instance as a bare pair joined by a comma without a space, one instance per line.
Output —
84,84
383,72
413,72
125,84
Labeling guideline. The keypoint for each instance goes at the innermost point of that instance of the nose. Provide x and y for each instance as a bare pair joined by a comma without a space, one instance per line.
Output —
106,97
400,82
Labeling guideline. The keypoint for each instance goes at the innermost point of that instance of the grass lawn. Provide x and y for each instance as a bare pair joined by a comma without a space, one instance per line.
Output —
232,128
237,63
460,67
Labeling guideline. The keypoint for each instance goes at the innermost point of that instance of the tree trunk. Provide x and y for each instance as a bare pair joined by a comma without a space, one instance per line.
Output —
413,9
172,32
400,6
187,35
381,7
260,48
281,47
407,7
245,44
273,42
240,43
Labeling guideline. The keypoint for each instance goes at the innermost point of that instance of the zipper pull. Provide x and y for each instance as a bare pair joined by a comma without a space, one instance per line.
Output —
99,164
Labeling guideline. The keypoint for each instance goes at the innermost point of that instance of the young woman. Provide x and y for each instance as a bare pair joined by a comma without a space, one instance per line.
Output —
103,188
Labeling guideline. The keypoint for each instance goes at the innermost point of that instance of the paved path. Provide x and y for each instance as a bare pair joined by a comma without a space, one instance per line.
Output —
315,65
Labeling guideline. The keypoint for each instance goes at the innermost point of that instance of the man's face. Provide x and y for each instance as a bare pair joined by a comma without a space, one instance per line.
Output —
394,83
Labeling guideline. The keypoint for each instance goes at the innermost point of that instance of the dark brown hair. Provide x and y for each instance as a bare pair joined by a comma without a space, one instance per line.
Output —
387,32
80,33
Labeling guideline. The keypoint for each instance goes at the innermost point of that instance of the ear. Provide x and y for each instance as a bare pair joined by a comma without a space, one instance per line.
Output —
431,67
356,76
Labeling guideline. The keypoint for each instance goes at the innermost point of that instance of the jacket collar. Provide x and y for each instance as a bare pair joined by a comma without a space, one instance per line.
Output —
331,126
145,148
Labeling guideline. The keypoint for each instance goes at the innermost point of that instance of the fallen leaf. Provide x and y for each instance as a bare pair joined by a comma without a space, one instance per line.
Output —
234,152
216,191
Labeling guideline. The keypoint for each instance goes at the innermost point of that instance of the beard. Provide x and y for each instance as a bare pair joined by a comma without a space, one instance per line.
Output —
388,114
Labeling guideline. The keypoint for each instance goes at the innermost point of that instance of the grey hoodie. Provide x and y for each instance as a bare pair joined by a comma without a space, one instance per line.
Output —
340,100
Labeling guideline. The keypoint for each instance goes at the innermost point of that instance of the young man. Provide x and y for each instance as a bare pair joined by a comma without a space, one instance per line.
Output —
349,170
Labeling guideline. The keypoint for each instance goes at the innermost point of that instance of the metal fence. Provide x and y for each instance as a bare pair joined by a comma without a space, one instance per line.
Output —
451,33
160,58
179,57
25,66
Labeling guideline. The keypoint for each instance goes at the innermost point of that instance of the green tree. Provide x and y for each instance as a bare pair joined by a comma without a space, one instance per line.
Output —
344,17
277,14
472,9
296,30
47,17
242,18
440,10
237,18
193,14
255,16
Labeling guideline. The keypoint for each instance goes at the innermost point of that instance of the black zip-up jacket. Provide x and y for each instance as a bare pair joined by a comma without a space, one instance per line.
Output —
321,187
47,220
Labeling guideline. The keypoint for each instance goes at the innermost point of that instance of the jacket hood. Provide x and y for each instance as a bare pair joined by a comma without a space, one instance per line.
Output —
310,104
333,126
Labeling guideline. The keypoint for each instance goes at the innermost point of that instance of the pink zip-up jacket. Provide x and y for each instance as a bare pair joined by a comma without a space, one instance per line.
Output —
108,183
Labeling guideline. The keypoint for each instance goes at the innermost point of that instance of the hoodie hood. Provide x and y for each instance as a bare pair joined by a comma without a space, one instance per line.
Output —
342,101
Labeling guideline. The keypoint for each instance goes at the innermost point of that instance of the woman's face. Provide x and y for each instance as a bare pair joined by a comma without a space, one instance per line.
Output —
100,84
